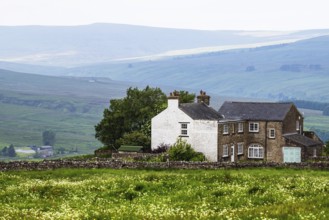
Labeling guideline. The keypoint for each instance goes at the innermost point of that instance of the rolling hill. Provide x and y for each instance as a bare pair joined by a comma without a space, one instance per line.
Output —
89,44
288,71
31,104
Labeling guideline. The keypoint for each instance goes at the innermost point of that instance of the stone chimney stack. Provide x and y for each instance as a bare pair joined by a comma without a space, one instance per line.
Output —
173,99
203,98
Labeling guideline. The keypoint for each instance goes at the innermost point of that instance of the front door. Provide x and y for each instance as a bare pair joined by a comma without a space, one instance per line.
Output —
232,153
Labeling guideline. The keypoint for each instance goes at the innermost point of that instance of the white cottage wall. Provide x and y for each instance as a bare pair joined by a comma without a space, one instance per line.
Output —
166,127
204,138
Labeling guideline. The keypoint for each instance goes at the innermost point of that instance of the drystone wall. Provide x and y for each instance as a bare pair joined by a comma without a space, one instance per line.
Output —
120,164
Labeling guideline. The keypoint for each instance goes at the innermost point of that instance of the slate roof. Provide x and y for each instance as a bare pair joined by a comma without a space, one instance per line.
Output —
200,111
302,140
262,111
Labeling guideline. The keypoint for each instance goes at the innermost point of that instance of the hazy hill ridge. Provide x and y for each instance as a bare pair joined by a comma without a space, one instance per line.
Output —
297,70
288,70
87,44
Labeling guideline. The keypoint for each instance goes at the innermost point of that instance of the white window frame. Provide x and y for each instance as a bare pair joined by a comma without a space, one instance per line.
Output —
233,128
255,151
253,126
240,127
225,128
240,148
225,150
184,129
270,134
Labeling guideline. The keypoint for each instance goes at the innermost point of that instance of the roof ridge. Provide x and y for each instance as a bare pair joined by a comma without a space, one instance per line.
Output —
260,102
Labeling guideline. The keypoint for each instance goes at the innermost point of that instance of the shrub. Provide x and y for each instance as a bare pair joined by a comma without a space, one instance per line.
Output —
162,148
182,151
136,138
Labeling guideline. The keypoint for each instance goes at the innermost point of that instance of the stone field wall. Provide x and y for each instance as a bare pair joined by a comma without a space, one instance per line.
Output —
120,164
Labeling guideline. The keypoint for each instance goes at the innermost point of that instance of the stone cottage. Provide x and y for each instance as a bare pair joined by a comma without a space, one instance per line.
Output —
238,131
264,131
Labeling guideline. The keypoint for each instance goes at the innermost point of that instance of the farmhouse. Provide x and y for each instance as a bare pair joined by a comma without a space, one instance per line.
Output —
238,131
45,151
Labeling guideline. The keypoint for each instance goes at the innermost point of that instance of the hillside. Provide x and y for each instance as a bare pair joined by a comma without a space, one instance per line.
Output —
88,44
296,70
31,104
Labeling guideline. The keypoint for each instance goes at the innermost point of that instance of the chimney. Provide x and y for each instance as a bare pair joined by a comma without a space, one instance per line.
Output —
203,98
173,99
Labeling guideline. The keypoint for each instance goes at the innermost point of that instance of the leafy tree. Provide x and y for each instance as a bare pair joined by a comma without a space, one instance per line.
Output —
182,151
4,151
132,113
186,97
48,138
11,151
136,138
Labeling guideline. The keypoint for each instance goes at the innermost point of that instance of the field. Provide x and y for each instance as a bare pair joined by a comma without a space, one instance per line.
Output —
71,107
164,194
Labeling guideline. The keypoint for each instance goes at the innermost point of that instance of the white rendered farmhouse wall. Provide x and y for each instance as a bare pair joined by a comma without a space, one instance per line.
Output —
200,133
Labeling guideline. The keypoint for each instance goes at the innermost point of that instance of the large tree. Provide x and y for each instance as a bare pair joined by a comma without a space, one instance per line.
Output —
132,113
48,137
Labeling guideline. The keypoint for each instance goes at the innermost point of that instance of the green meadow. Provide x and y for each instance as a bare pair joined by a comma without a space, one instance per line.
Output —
164,194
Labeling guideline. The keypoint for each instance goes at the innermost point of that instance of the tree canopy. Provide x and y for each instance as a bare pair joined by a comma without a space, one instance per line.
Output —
48,138
186,97
8,151
131,113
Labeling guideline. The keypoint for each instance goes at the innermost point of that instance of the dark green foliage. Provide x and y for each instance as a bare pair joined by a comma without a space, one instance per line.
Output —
48,138
8,151
4,151
11,151
130,195
186,97
132,113
136,138
254,190
161,148
182,151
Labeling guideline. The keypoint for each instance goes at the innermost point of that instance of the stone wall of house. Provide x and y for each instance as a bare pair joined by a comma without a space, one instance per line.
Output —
272,146
231,140
120,164
289,123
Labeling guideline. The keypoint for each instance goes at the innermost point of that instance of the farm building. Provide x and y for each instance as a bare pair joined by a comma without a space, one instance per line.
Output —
238,131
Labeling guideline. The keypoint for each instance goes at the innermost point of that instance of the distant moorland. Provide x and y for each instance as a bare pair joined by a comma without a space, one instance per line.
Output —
77,70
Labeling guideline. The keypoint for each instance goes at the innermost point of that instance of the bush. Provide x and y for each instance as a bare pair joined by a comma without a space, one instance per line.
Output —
162,148
136,138
182,151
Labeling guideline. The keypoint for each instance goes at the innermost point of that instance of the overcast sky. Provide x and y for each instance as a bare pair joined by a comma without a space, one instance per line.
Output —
191,14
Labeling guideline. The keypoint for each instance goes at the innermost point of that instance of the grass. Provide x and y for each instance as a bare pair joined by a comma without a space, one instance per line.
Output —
23,126
320,122
165,194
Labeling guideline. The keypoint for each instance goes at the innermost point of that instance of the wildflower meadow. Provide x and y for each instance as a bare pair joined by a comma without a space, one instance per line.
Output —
164,194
